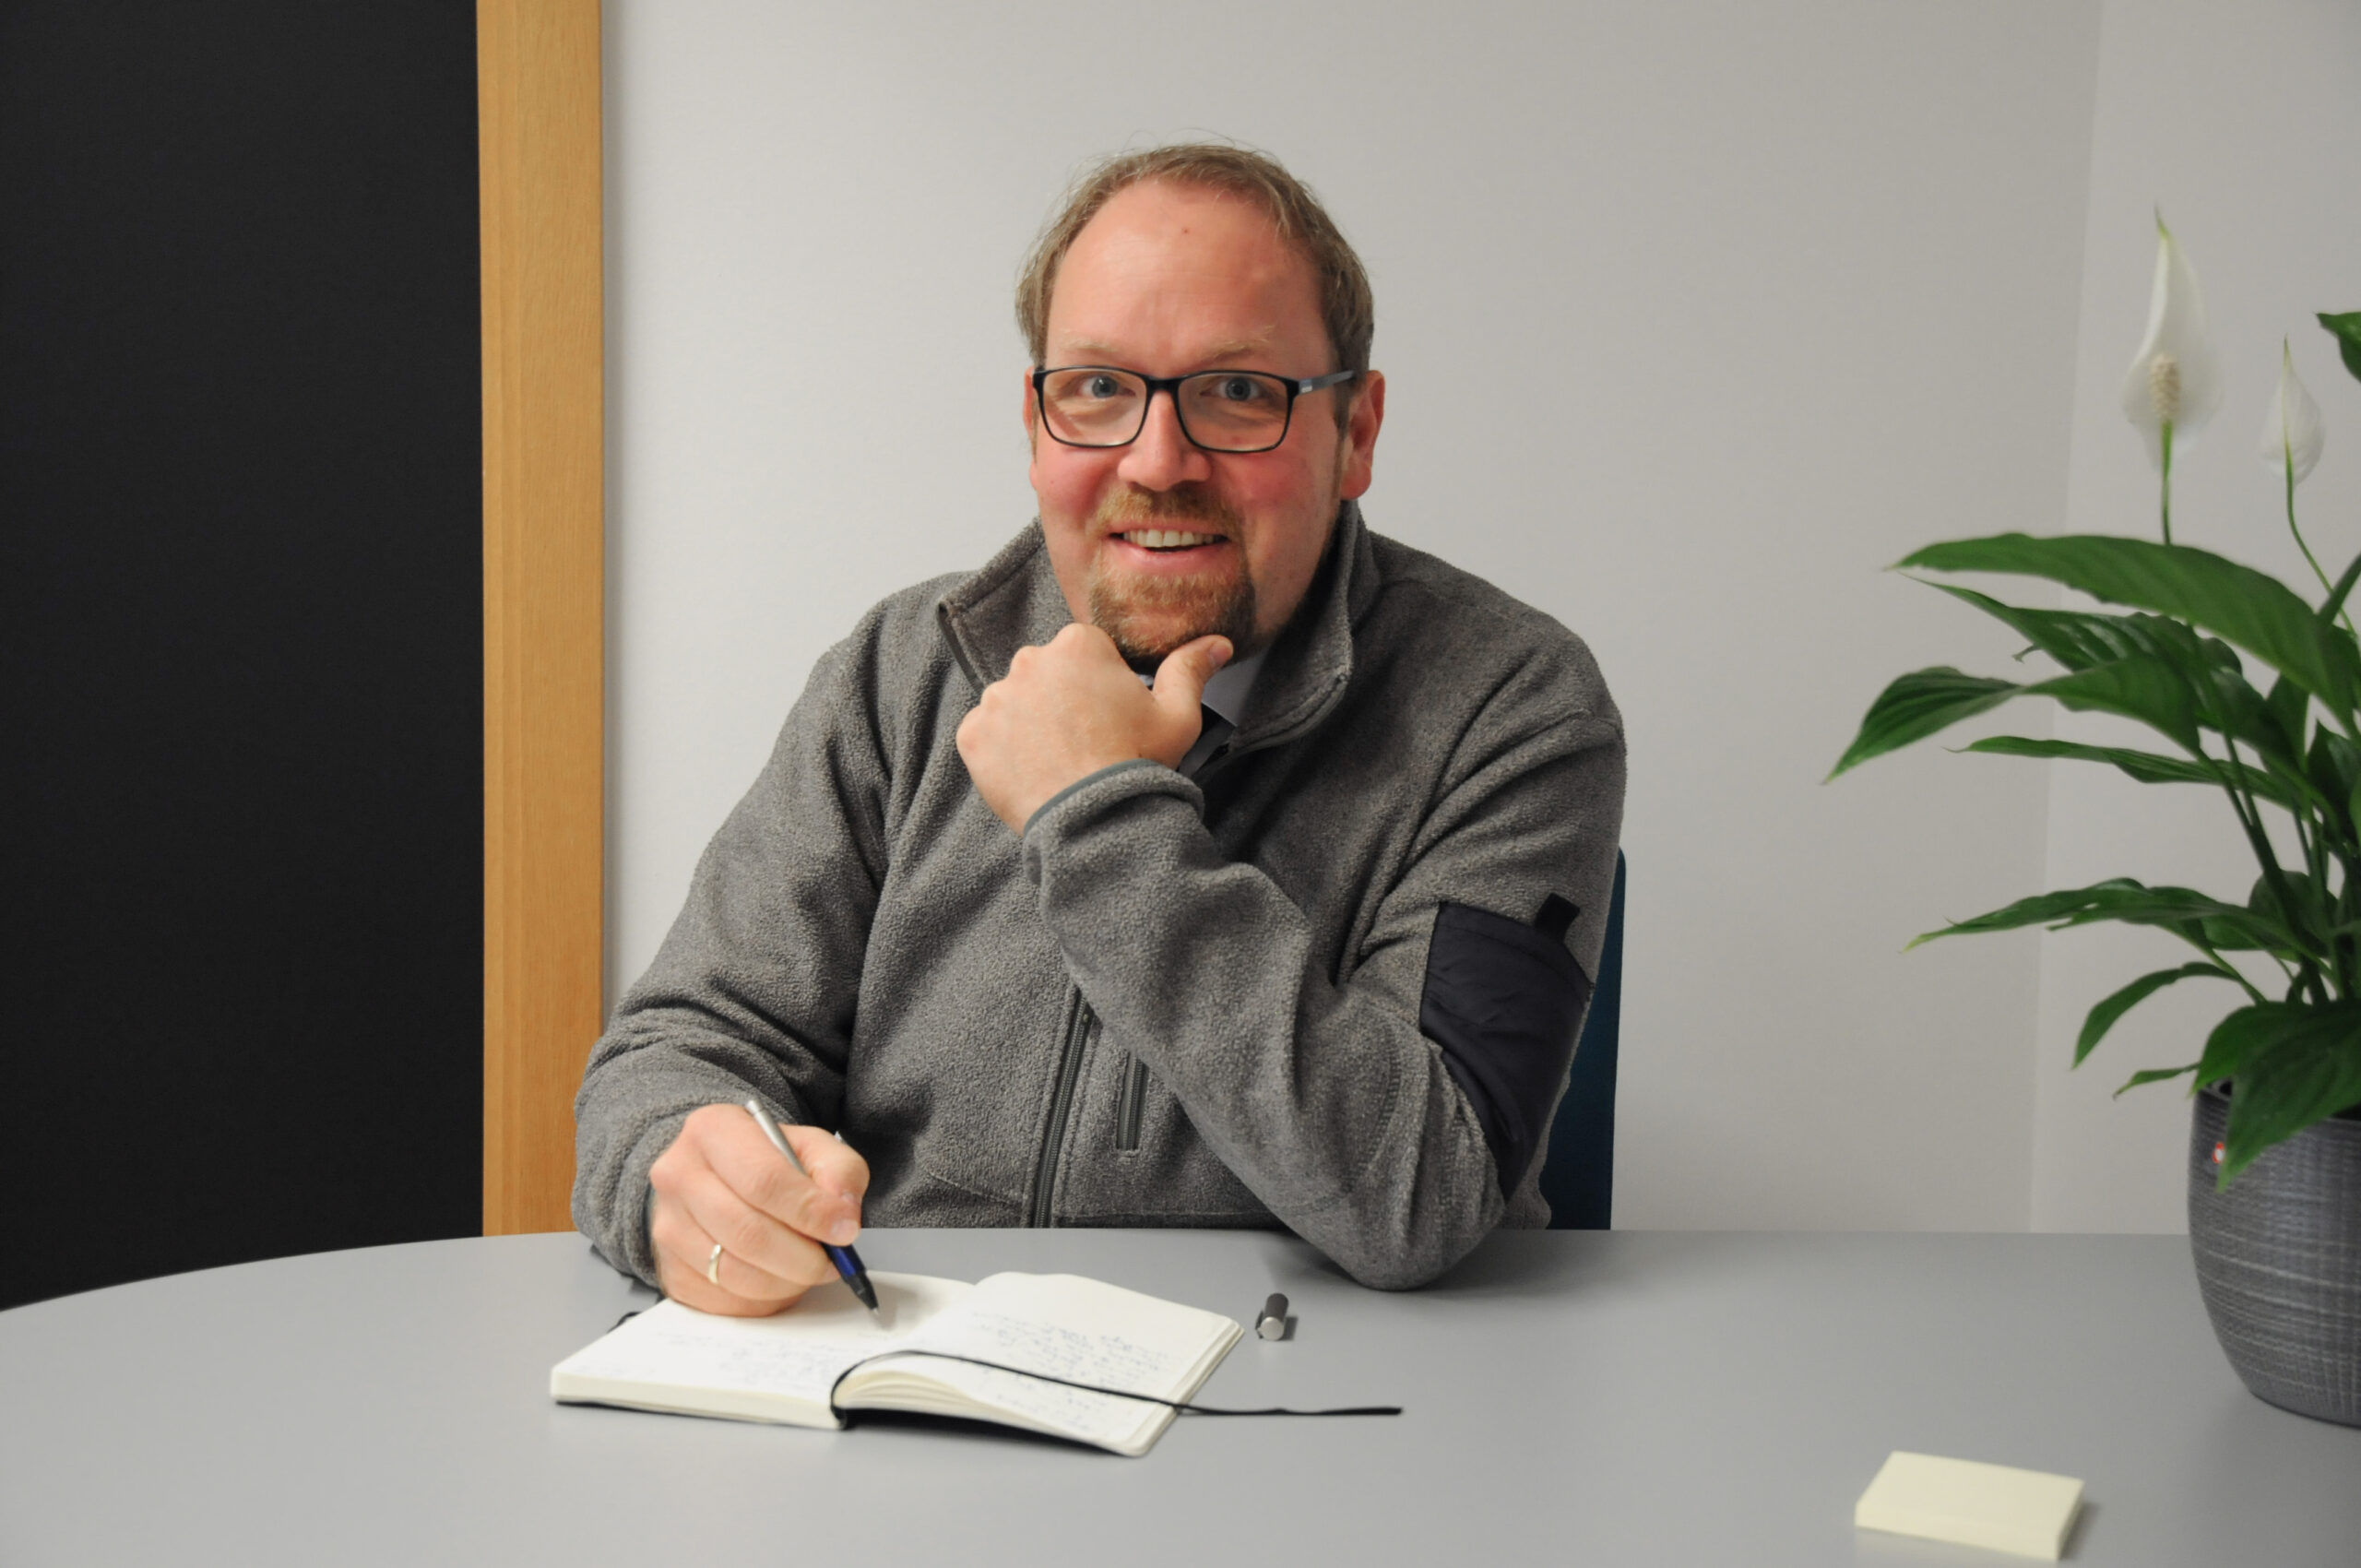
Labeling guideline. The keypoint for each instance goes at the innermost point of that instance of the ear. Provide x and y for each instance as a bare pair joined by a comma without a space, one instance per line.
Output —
1031,410
1358,454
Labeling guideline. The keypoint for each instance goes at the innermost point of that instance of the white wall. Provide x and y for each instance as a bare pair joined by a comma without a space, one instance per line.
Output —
1774,294
2244,124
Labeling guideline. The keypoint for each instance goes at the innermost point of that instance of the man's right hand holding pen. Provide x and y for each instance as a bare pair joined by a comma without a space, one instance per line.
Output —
722,1185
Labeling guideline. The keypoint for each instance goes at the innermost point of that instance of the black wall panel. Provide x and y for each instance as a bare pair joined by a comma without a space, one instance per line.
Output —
241,666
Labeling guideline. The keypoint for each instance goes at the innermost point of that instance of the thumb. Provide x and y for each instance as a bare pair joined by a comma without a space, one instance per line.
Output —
833,1166
1181,678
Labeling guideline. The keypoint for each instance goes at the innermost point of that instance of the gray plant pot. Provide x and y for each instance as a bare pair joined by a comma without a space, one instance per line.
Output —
2279,1261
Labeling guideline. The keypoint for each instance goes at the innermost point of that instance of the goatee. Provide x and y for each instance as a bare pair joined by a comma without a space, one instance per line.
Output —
1149,617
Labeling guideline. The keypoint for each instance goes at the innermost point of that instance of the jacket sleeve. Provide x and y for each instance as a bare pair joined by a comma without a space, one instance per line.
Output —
752,992
1387,1109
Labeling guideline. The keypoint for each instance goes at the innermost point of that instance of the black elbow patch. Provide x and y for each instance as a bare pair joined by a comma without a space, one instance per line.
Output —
1503,1001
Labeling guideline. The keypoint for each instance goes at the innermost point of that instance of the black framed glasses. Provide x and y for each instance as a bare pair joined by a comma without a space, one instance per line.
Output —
1221,410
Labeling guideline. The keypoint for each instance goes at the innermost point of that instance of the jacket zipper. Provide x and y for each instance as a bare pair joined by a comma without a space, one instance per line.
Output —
1127,1109
1045,1174
959,654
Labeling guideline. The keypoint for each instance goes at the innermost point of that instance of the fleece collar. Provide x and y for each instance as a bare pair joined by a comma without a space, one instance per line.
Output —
1014,603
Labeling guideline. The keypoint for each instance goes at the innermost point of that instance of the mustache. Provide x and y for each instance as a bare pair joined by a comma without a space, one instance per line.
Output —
1131,507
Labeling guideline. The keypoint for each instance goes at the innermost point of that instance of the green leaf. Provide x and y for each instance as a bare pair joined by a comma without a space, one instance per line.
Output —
2120,899
2337,595
2253,1027
2236,711
2342,753
2148,768
2147,689
1925,701
2155,1076
2250,608
1917,705
2219,698
2289,1064
2081,639
2333,767
2223,936
2254,1031
2227,705
2102,1016
2310,912
2076,638
2347,329
2289,706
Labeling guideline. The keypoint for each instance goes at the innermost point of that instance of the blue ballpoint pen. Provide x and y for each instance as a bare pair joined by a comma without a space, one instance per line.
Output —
848,1261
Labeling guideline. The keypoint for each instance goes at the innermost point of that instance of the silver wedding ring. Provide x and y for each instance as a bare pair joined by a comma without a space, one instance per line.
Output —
713,1265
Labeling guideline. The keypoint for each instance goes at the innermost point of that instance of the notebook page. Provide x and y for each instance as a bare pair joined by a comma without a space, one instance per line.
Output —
675,1357
1080,1329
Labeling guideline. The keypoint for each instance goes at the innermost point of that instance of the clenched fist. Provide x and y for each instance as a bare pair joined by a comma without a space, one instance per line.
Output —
720,1183
1072,706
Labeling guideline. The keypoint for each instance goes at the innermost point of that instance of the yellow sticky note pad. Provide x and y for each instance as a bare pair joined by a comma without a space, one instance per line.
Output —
2026,1512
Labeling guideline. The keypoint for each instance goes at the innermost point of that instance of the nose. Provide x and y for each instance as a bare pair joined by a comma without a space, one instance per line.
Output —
1161,455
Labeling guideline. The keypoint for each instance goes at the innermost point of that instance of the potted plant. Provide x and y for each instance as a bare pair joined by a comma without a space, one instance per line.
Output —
2276,1145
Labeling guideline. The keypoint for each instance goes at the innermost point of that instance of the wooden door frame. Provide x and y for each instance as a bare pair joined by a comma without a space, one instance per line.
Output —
537,137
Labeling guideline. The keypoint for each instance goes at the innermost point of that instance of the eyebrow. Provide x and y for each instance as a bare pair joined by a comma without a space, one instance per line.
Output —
1230,349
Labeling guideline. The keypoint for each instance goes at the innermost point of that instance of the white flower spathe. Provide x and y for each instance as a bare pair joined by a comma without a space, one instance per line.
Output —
2291,437
2176,379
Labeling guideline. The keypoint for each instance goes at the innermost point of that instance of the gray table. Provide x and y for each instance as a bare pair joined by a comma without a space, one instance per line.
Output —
1624,1397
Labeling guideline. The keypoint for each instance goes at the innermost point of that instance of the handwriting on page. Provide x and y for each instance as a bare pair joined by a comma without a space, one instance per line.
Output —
1101,1358
698,1352
1109,1359
800,1352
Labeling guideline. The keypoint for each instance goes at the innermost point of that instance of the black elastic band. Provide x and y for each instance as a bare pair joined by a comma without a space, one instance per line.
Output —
1181,1406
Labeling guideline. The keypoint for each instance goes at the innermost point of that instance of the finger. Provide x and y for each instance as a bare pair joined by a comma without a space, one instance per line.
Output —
732,1291
1181,678
1082,635
726,1176
833,1166
688,1271
756,1239
757,1173
694,1269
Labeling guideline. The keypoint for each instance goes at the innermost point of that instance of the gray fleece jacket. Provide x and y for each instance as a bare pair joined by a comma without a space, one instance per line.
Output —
1331,982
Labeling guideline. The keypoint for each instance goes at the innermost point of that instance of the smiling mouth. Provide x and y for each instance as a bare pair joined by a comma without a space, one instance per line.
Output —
1167,538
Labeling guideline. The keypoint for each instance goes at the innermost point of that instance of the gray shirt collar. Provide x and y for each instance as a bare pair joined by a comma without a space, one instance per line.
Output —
1231,684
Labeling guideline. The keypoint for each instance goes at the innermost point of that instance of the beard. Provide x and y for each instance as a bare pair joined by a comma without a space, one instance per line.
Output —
1149,617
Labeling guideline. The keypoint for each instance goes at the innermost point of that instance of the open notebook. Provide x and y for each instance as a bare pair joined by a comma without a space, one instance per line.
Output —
675,1358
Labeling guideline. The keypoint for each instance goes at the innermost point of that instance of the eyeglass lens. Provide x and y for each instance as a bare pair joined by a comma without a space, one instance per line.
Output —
1223,410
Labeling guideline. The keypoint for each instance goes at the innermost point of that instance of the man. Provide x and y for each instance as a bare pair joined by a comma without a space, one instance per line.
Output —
1048,947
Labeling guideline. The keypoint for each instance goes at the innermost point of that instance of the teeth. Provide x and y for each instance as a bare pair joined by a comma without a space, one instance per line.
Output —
1166,539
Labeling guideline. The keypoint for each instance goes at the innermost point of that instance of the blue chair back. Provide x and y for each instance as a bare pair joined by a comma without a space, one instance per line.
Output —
1578,1173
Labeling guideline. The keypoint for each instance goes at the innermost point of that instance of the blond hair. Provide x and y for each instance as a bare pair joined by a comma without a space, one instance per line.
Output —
1346,310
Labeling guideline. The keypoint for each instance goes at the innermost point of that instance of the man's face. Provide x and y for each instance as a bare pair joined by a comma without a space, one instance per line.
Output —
1165,280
